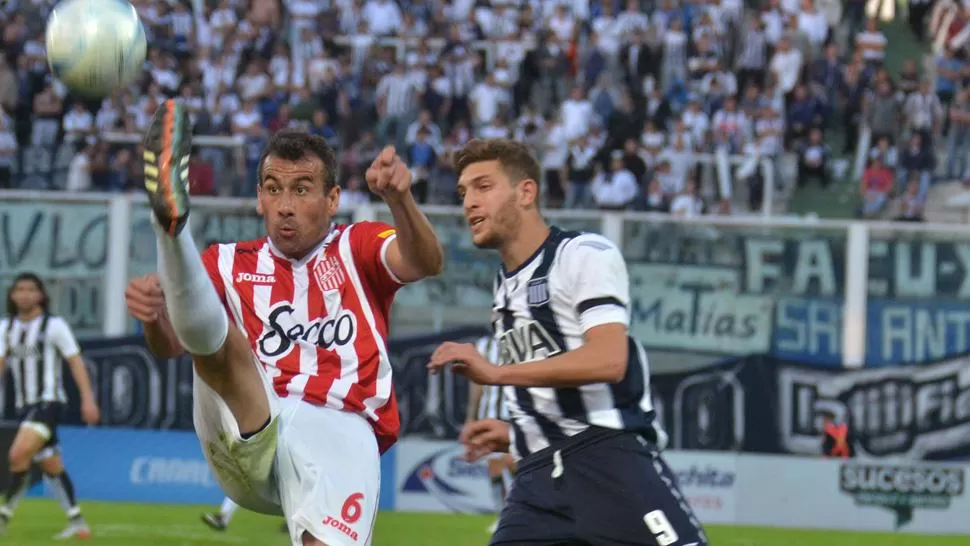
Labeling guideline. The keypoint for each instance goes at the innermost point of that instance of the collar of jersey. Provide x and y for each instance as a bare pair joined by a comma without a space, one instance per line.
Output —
303,261
553,231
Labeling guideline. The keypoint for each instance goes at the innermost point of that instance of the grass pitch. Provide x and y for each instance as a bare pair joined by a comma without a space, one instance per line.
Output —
164,525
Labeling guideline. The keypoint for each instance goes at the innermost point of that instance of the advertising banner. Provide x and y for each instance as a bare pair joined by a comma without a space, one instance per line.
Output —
138,466
701,308
928,498
755,404
709,482
64,243
111,464
918,290
432,476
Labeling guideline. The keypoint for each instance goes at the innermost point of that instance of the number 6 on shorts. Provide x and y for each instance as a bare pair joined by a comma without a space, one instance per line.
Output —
659,526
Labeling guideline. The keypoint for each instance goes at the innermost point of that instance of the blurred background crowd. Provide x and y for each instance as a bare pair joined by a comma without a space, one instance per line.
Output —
629,104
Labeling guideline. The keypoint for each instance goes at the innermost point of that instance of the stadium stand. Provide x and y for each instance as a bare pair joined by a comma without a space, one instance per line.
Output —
696,107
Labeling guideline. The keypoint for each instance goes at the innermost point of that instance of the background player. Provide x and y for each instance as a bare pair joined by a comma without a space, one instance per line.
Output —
485,402
34,344
219,521
577,385
298,430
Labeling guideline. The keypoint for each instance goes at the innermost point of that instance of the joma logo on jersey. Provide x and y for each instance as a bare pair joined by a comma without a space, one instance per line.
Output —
341,526
326,333
525,343
255,278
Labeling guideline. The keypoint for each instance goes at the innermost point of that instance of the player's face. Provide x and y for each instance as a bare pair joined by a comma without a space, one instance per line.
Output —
491,203
296,204
26,295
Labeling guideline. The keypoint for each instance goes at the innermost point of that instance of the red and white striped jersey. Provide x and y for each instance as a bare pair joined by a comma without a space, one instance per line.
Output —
319,325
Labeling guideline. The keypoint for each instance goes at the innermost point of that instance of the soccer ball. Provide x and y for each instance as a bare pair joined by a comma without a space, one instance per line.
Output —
95,46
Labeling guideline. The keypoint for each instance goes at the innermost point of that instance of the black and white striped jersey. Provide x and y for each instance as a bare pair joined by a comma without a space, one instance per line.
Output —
490,405
573,283
34,351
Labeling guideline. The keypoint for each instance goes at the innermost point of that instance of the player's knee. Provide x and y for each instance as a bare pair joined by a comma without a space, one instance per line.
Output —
310,540
52,466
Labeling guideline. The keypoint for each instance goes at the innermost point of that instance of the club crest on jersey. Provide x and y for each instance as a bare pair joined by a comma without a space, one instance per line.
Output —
537,291
329,274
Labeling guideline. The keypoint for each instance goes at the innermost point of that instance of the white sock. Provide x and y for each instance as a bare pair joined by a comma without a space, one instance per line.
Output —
197,315
71,510
227,509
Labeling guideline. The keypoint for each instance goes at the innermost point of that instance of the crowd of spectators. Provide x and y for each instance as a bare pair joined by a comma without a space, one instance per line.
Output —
622,100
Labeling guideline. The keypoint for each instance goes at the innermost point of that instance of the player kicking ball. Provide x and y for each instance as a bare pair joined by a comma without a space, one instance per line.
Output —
293,396
576,385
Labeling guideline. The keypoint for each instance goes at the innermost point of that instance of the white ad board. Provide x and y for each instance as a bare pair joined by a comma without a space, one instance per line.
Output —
432,476
726,488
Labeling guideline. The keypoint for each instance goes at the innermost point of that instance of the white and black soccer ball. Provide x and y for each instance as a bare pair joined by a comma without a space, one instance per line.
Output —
95,46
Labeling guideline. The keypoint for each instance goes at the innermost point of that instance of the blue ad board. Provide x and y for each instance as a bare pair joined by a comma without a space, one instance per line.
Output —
153,466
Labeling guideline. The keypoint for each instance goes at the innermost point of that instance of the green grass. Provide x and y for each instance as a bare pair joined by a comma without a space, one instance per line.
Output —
156,525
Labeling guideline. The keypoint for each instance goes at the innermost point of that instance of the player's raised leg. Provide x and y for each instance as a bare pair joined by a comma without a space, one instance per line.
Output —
233,412
221,355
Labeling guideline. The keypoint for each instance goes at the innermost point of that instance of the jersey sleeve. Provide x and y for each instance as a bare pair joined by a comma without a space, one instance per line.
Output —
597,281
60,334
210,260
370,242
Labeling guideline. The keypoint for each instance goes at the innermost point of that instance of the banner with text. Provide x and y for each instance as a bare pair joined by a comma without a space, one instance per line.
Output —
64,243
734,292
137,390
914,411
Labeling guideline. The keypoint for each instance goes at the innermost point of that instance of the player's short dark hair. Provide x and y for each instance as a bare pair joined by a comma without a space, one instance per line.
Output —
294,145
30,277
516,158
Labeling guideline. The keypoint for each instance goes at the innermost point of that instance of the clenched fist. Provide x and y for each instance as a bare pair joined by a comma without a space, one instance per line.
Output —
388,176
145,299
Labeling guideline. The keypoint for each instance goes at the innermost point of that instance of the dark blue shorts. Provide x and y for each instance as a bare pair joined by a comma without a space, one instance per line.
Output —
598,489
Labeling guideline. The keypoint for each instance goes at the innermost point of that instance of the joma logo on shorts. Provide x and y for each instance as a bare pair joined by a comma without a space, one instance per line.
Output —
255,278
340,526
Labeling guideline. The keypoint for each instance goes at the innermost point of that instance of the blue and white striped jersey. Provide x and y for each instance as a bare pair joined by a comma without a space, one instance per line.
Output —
573,283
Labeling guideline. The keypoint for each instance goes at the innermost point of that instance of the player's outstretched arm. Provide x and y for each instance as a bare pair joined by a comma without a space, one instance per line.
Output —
601,359
146,302
416,253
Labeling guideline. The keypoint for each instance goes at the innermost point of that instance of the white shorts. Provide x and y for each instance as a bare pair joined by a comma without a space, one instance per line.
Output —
319,467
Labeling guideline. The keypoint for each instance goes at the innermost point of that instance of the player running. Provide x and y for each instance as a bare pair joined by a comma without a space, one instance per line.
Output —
485,402
294,401
575,383
34,344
